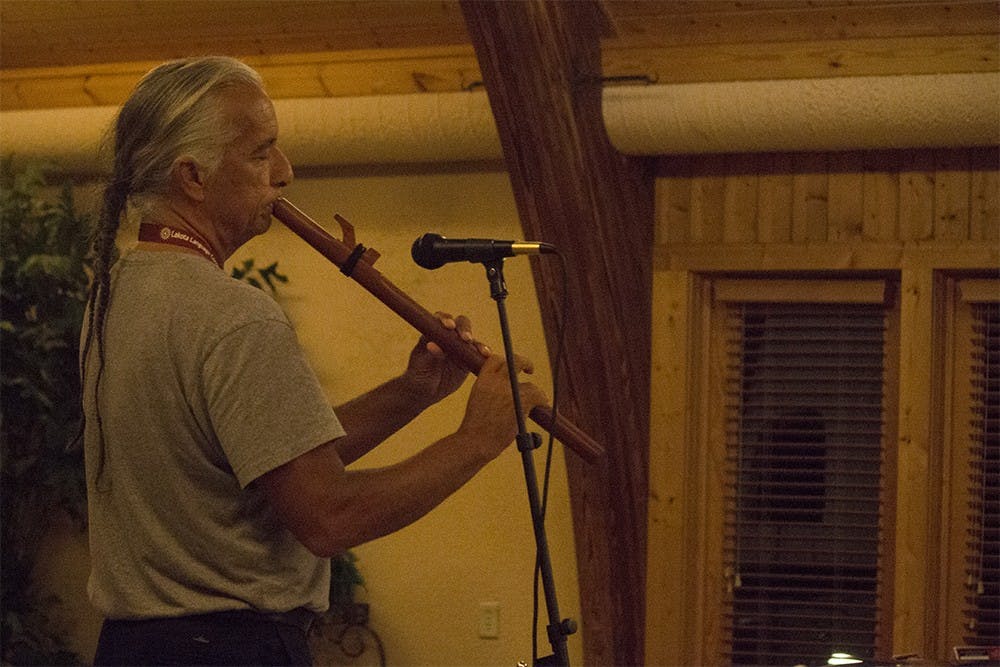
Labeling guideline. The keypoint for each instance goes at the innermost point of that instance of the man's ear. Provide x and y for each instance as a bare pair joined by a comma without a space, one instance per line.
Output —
188,177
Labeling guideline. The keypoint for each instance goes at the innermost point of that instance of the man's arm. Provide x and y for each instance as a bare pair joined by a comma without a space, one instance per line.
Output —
330,509
430,376
374,416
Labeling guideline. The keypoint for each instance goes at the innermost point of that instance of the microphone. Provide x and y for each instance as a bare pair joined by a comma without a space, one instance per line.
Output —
432,251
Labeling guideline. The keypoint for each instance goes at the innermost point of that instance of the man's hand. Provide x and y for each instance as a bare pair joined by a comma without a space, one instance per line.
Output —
489,421
430,373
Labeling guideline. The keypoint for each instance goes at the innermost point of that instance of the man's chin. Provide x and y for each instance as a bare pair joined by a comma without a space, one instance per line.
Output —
263,224
254,228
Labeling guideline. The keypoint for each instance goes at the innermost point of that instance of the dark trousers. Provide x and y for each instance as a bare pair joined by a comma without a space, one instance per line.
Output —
223,638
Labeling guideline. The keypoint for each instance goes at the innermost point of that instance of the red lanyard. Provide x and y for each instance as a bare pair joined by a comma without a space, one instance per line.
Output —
153,233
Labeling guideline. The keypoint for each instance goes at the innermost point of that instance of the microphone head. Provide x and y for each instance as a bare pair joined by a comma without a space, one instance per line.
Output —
423,252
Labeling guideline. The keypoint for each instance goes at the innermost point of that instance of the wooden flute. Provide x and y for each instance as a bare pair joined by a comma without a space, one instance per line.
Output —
355,261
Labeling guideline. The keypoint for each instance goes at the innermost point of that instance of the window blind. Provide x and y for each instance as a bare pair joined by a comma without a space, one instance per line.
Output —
804,444
983,562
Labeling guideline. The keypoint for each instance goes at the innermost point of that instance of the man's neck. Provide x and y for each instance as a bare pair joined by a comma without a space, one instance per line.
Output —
187,223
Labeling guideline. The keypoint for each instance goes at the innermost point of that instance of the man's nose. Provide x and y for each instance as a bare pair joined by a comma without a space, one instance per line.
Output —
281,169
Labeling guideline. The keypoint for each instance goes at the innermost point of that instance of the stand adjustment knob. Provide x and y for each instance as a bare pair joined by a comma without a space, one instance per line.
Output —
528,442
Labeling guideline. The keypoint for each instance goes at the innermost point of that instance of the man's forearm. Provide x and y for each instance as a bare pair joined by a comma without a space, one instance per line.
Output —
372,417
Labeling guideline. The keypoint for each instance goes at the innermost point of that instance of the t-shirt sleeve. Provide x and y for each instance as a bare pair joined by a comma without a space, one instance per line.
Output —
266,405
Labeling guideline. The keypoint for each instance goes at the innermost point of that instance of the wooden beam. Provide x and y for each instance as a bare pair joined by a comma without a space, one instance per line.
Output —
541,66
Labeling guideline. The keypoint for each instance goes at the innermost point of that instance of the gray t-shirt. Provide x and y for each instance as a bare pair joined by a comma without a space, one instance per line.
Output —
205,388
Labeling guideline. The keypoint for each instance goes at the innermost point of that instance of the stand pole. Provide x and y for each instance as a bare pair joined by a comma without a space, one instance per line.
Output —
558,629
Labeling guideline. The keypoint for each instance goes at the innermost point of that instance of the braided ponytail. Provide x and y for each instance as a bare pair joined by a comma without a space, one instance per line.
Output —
105,254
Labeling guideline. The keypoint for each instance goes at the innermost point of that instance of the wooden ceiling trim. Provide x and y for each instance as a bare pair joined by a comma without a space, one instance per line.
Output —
65,33
383,72
541,66
305,75
454,68
62,53
61,33
806,60
658,24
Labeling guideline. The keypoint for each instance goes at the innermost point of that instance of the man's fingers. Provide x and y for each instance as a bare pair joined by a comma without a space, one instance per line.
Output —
497,363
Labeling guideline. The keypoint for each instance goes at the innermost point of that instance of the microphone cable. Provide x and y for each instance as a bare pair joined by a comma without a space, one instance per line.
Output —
560,318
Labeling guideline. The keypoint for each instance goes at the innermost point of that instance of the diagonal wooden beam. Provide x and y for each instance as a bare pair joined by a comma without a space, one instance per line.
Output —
541,66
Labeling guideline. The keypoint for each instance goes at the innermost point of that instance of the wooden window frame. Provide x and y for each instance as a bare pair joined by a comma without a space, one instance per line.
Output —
953,330
688,566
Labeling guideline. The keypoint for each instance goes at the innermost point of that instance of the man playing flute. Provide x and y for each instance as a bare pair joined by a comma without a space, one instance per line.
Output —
217,474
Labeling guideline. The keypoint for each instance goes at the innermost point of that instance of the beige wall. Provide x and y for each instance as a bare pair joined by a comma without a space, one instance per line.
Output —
424,583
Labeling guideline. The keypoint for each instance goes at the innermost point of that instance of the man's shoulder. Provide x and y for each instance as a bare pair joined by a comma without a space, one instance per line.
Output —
238,301
198,290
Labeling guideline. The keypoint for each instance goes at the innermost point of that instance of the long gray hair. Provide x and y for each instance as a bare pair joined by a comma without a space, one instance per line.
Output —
172,112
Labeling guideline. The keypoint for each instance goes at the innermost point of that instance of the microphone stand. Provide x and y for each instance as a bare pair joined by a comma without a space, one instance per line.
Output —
558,629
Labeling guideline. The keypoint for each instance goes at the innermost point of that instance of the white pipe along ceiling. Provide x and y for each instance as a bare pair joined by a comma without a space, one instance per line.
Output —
913,111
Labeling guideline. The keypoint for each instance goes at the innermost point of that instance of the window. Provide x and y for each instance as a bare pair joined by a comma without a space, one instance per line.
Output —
983,565
972,565
807,470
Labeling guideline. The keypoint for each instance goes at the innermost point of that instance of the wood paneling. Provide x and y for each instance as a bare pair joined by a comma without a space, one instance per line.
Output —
879,196
61,33
754,61
670,575
657,23
335,74
57,53
915,215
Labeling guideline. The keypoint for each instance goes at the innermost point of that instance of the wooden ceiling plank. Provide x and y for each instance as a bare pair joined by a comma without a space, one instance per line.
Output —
74,33
455,68
40,33
655,7
665,26
541,66
357,73
806,60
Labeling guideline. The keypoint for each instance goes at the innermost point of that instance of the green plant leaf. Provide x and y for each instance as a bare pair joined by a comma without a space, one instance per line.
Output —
44,264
